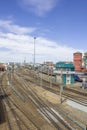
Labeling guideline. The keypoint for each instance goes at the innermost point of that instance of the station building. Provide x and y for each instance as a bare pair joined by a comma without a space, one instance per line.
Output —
65,72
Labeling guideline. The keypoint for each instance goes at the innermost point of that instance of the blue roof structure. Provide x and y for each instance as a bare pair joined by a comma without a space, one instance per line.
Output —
64,65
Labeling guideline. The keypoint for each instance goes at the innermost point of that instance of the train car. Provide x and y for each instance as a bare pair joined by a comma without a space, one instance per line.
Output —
77,78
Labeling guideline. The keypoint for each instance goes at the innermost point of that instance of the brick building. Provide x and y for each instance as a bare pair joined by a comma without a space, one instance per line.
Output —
77,59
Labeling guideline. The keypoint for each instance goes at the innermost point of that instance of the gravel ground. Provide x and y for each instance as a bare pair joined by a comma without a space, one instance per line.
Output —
55,99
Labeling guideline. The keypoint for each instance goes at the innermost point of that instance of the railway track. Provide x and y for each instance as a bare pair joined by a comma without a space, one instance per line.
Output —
10,115
67,89
44,108
16,117
20,94
41,107
68,93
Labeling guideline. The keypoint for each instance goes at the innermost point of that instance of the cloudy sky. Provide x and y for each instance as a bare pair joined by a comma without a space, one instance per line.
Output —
60,28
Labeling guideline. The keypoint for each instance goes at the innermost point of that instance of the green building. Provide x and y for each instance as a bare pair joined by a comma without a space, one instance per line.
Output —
65,72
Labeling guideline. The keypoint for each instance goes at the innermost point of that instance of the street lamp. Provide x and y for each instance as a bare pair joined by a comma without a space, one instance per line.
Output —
34,52
34,58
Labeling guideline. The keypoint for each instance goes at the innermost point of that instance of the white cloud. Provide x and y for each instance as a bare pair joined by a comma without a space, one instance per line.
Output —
9,26
39,7
15,45
21,46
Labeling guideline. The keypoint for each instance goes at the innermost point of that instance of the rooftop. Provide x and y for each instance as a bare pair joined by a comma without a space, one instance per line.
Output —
64,65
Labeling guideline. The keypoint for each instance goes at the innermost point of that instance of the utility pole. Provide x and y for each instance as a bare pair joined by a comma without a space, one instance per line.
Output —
51,78
61,87
48,74
41,76
34,52
34,58
61,90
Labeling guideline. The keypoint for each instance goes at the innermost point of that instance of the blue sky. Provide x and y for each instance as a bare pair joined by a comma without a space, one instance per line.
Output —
59,25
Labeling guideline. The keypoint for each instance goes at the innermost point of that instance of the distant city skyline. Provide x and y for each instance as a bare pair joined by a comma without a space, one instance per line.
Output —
60,28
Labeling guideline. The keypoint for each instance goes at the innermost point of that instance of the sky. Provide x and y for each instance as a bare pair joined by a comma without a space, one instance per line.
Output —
60,28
